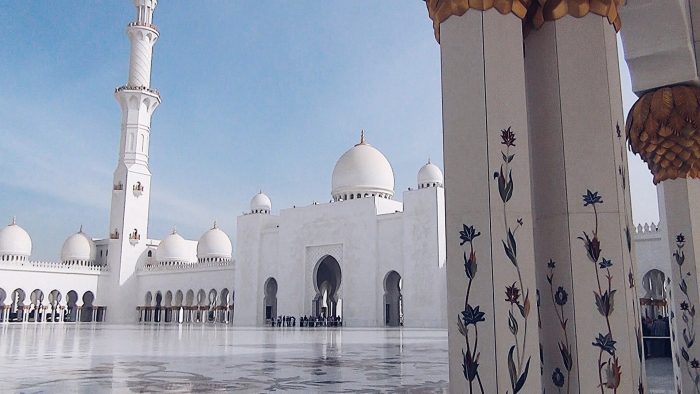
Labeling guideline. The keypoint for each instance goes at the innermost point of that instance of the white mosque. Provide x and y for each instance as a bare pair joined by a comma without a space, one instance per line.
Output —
365,256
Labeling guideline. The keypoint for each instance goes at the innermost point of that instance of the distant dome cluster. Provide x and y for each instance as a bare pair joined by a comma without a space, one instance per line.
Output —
213,246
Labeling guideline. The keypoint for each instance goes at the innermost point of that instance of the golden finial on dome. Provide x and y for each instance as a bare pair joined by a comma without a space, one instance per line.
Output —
174,230
81,229
14,221
214,225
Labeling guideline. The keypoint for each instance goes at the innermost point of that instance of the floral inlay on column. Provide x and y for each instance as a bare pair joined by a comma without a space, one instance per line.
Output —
471,315
604,301
688,317
559,299
517,367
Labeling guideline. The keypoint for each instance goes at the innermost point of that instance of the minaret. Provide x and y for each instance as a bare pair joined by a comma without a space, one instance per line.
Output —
132,178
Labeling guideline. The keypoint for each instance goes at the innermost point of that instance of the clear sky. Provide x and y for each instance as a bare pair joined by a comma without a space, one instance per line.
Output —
256,95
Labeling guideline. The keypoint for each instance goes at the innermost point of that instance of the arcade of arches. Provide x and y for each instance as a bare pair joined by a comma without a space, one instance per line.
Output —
39,306
187,306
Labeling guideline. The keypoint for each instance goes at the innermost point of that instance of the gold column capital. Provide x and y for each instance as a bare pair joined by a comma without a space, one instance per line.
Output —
533,13
663,128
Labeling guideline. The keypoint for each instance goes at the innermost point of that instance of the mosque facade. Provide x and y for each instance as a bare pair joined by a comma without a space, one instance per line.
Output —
365,256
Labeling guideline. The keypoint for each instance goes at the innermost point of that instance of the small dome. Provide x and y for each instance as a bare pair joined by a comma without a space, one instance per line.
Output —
214,244
429,175
78,247
14,241
173,249
260,203
362,170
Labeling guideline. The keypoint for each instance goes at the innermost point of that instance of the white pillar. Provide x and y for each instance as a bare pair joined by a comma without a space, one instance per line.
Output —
483,83
582,209
681,197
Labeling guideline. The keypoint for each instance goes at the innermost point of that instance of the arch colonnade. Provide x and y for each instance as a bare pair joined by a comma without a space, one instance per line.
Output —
40,306
188,306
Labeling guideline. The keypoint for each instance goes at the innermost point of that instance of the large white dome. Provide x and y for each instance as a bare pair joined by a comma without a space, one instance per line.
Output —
14,241
78,248
362,171
214,245
430,175
173,249
260,203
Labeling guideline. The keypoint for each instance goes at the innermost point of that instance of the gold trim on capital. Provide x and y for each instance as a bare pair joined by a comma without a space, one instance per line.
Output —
663,127
440,10
532,12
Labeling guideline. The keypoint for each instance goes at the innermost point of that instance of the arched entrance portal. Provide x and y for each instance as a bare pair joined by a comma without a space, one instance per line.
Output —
270,307
393,300
327,279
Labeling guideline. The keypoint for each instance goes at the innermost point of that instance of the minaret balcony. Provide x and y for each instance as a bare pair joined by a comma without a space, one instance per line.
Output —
143,24
114,235
118,187
136,89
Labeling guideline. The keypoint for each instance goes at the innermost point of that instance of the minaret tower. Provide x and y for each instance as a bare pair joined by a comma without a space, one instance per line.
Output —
128,225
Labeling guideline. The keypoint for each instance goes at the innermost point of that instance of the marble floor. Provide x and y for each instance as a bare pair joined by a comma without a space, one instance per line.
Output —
86,358
98,358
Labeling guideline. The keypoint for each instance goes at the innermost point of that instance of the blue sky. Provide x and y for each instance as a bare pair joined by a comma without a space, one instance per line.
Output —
256,95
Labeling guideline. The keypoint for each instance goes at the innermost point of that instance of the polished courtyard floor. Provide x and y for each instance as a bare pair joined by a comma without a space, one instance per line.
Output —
97,358
86,358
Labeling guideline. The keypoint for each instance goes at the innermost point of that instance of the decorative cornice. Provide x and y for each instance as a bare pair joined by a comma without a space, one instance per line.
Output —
533,13
663,127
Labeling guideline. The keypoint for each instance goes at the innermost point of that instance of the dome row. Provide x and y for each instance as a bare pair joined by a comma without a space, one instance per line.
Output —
214,245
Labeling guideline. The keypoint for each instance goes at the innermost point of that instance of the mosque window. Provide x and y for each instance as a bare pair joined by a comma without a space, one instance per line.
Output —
150,253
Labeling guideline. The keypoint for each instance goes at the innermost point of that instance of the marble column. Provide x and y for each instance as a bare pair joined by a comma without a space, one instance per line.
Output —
589,309
492,316
679,202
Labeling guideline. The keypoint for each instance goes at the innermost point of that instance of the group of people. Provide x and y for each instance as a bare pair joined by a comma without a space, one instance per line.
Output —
656,333
307,321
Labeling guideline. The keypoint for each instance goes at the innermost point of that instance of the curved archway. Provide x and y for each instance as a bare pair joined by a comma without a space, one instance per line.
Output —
36,299
270,307
224,306
17,305
158,307
71,306
201,305
327,280
87,308
211,311
54,301
393,300
168,303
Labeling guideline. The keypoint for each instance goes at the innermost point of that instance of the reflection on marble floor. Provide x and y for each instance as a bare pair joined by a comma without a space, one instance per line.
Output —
87,358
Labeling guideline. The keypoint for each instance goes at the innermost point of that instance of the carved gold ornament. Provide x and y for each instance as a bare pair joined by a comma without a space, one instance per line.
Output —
532,12
663,127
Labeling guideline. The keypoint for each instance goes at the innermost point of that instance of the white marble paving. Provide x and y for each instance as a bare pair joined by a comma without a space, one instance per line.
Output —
101,358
